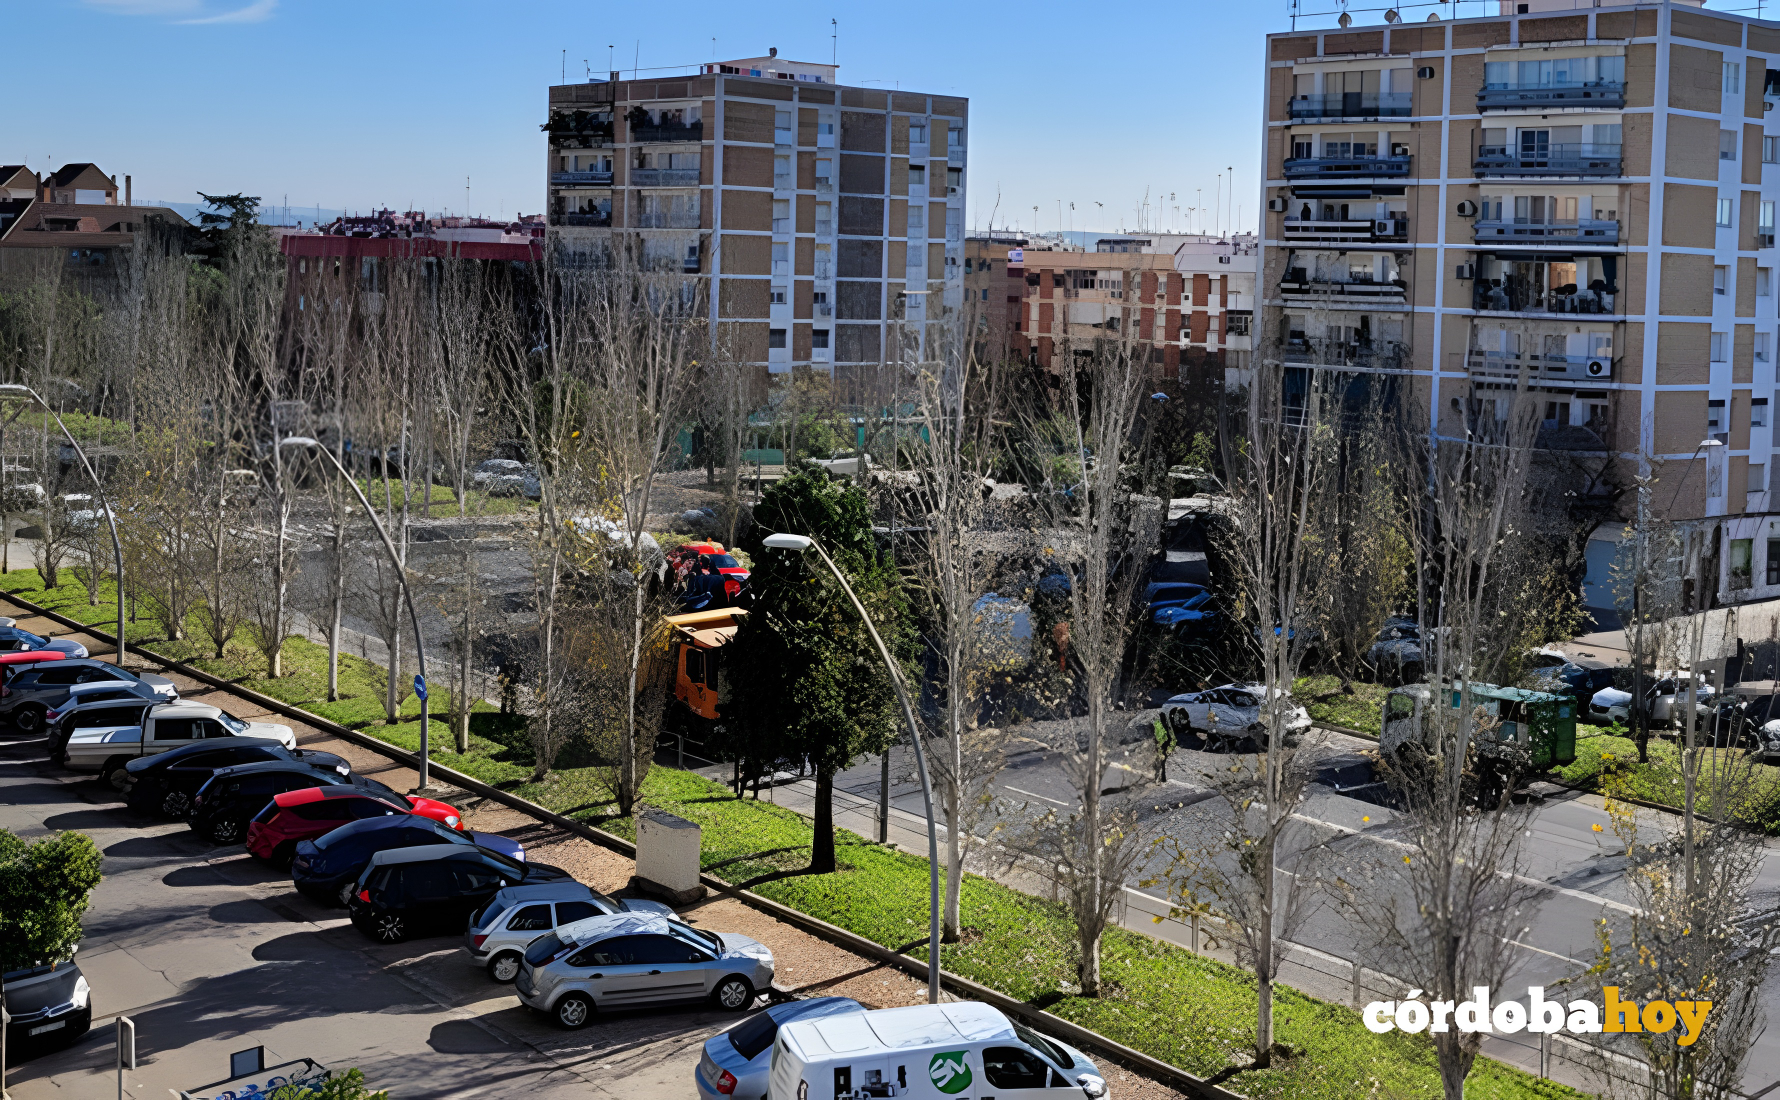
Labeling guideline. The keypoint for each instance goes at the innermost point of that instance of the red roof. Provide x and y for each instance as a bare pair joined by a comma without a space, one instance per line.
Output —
318,244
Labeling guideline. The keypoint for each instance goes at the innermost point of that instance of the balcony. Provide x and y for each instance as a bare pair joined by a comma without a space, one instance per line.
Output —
595,220
581,179
782,135
1514,162
1364,354
1351,105
664,177
955,156
578,130
1346,231
667,219
694,131
825,185
823,309
1298,168
1516,231
1517,297
1603,93
1298,284
824,270
1764,237
1539,368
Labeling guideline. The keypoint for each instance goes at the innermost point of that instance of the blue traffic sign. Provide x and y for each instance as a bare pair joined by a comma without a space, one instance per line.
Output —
420,688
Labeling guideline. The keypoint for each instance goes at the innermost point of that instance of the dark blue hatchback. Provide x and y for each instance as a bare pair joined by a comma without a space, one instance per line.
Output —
326,868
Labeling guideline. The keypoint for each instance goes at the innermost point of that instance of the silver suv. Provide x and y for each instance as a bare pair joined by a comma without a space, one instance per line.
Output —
634,959
33,690
499,934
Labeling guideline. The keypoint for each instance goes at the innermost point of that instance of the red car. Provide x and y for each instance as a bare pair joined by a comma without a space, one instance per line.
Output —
710,557
308,813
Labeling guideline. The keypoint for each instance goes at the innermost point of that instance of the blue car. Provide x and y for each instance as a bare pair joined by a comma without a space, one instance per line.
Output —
737,1061
14,638
1180,606
326,868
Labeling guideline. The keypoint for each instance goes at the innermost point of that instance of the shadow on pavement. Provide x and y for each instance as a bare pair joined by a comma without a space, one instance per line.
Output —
86,819
464,1037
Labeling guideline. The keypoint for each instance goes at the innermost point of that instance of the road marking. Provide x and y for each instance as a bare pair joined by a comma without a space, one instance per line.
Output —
1040,797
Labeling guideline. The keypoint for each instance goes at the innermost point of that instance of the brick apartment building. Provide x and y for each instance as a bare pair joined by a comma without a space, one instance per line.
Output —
1576,202
828,218
78,210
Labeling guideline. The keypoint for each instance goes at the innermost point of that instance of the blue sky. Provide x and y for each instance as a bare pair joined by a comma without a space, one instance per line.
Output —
395,102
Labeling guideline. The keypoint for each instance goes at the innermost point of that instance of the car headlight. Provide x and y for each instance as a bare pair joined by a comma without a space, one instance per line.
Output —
82,992
1092,1085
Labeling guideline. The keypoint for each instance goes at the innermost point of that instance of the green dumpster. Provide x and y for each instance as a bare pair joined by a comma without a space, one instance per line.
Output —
1545,723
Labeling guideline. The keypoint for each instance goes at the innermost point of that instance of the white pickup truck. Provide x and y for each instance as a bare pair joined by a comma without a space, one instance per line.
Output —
106,749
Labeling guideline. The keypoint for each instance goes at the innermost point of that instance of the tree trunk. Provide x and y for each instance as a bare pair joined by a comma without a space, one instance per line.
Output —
951,929
338,610
1089,968
822,844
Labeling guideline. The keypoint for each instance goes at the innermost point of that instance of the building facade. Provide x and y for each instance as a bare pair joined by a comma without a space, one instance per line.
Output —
828,219
1576,203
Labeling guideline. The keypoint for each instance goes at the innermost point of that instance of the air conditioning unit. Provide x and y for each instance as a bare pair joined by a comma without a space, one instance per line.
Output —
1467,209
1384,228
1278,206
1466,271
1600,368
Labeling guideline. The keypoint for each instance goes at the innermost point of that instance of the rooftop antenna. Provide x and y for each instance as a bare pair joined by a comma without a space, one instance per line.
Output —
466,196
834,42
636,59
565,65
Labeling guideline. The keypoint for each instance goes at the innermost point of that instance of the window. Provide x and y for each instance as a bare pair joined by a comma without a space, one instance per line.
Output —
954,137
778,296
1015,1068
1742,553
824,175
781,172
1761,347
1715,418
1733,78
917,133
819,338
775,337
568,912
782,127
781,215
1724,216
1720,347
782,259
533,918
917,220
1720,278
985,295
1773,566
1770,150
1758,416
1727,145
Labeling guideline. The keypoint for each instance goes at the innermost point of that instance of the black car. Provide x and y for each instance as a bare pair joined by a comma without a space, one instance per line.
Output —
325,868
164,783
232,796
409,891
51,1006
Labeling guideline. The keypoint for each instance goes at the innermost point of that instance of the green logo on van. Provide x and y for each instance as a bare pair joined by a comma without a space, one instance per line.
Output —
949,1071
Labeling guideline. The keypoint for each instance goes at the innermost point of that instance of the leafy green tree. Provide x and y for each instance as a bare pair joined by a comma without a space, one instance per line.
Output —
44,889
220,226
806,680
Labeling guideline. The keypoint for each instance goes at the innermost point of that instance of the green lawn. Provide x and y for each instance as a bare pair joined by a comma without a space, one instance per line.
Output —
1322,698
1601,754
1182,1008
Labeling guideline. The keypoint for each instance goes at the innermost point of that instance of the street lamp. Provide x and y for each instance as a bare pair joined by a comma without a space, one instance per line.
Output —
14,389
804,542
401,578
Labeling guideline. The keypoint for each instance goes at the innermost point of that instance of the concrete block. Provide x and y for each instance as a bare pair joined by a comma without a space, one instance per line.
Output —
667,858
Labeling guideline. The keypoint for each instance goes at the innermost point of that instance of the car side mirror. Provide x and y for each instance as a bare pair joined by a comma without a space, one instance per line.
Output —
1091,1085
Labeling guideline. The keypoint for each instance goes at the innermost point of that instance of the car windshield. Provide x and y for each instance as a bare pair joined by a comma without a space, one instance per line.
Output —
234,724
1043,1045
507,866
752,1036
707,940
724,561
119,673
543,949
27,636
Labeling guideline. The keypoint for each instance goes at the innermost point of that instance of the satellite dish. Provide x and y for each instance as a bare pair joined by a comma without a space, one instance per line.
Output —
1391,16
1346,20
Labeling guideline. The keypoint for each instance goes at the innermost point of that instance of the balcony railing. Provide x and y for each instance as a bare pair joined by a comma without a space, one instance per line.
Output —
667,219
1298,284
823,309
664,177
818,355
1377,354
1518,298
1547,160
1540,368
1601,93
581,219
1351,105
1345,167
570,179
691,132
1764,237
1347,230
1516,231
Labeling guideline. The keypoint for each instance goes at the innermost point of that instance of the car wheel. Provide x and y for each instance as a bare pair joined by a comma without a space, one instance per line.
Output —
733,993
504,967
574,1011
176,804
226,830
28,718
389,928
1180,724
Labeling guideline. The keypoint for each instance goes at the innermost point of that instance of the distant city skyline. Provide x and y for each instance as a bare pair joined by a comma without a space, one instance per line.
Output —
1104,126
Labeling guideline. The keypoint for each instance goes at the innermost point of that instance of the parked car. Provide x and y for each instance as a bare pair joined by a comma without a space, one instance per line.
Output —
1557,673
325,869
434,888
635,959
100,703
736,1062
1228,715
108,749
50,1005
234,796
34,688
15,638
1665,695
300,815
1749,716
1396,652
500,931
946,1048
707,573
164,784
503,477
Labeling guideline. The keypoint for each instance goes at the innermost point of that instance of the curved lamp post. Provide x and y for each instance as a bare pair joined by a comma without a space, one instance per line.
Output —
401,578
804,542
117,548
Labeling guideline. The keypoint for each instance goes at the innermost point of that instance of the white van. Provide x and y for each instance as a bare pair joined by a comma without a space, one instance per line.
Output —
958,1051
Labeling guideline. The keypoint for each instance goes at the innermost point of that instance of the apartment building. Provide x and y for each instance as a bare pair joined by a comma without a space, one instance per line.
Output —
828,219
992,287
77,210
1576,202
